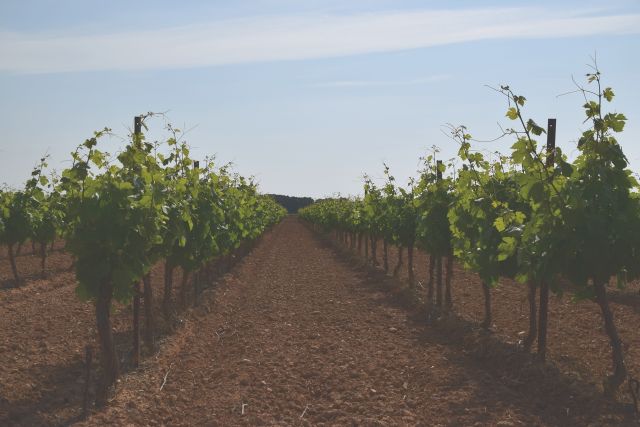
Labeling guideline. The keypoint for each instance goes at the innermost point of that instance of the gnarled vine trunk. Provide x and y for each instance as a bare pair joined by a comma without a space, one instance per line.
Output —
366,249
136,325
43,258
12,261
374,250
108,359
168,285
430,289
183,287
439,282
486,289
385,255
614,381
533,321
196,286
149,330
396,270
410,271
543,320
448,301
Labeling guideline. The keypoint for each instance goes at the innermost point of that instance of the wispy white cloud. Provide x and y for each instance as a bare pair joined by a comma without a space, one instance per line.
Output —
259,39
369,83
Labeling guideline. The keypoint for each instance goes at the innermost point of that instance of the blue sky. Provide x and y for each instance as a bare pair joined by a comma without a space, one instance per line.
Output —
305,95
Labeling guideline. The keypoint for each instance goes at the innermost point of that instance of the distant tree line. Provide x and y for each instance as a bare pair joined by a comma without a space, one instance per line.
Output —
292,203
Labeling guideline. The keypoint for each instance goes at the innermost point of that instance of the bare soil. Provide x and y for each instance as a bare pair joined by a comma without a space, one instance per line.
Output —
300,334
45,330
577,343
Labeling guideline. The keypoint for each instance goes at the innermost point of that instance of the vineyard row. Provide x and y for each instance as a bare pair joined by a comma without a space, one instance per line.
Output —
119,215
532,215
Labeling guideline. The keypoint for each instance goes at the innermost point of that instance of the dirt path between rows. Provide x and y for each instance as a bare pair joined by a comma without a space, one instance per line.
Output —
295,336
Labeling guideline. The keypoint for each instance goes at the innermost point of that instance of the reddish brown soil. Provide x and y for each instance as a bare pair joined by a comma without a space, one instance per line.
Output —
45,328
297,335
577,343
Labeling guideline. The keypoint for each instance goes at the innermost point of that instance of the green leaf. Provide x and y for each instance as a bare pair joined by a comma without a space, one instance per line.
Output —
536,192
615,121
608,94
506,248
534,128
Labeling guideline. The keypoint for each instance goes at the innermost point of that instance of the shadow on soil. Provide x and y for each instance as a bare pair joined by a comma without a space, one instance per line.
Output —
59,401
505,372
626,298
60,387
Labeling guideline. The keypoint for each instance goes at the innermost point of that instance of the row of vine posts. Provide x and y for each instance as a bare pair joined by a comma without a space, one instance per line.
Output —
572,192
120,219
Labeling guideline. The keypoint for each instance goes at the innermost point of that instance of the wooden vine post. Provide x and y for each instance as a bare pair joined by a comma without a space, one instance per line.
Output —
137,129
196,276
544,285
439,294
